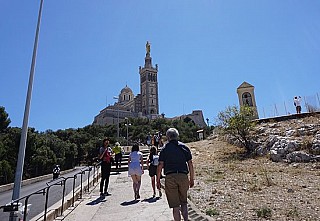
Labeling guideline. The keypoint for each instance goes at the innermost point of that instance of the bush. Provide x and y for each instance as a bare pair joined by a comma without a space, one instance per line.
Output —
237,123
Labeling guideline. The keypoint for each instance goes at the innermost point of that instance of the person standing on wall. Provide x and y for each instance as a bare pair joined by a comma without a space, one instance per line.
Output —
105,155
176,159
297,103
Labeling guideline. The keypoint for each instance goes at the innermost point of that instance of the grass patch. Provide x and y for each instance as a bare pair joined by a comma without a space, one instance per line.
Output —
264,212
215,176
293,213
212,212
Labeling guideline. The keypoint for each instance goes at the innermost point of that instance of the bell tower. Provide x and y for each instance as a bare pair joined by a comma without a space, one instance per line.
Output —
149,86
246,97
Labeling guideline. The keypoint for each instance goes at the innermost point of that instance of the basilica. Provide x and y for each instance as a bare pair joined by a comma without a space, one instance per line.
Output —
145,104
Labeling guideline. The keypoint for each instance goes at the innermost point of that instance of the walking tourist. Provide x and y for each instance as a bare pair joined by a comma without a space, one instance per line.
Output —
152,164
105,155
176,159
148,139
135,170
117,150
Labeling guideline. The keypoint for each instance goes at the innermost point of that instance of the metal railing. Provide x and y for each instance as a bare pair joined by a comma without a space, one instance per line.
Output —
15,206
309,104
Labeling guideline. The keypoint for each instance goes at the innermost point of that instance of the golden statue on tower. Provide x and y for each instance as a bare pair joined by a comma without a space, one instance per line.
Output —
148,47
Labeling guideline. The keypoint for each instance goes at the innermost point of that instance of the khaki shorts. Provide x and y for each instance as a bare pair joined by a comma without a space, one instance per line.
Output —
176,187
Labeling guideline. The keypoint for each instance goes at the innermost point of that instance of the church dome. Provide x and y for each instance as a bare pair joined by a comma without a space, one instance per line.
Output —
126,90
126,95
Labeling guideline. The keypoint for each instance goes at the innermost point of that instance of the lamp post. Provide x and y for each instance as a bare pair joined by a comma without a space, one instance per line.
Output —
117,98
23,139
127,125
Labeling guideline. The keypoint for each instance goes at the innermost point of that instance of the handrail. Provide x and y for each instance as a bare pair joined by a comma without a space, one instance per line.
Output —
13,206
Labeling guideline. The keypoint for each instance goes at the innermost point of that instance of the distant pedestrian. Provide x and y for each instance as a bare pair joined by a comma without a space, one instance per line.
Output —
297,103
176,159
148,140
117,150
152,164
105,155
56,171
135,170
155,140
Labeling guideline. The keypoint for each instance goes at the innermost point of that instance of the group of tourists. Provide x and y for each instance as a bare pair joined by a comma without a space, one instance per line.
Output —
174,159
154,140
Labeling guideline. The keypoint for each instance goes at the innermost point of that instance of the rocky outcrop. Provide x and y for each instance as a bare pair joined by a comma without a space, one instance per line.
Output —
293,140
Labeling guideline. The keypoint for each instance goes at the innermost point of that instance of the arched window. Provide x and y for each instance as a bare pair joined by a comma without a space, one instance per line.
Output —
247,99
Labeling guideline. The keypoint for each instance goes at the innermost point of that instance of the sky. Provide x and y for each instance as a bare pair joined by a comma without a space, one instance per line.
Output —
89,50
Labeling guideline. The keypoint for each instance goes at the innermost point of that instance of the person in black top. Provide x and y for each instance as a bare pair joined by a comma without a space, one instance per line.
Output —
176,160
152,164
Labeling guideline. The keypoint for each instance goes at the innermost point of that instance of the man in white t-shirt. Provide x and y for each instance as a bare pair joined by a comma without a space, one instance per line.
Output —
297,103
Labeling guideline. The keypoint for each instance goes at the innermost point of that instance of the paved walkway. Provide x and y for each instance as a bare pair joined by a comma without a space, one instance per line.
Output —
120,205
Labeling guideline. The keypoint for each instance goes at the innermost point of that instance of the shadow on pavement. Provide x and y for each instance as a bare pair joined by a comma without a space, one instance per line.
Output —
128,203
96,201
151,199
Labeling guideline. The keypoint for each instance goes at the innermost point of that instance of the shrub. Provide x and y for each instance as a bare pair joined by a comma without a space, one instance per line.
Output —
264,212
212,212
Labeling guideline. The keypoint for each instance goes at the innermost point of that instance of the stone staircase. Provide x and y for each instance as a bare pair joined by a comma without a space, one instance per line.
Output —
124,163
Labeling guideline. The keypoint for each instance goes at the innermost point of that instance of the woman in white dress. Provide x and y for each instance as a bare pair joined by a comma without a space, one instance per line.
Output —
135,170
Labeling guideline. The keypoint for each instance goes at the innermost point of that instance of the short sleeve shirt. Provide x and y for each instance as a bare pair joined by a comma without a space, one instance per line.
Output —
135,156
107,156
175,156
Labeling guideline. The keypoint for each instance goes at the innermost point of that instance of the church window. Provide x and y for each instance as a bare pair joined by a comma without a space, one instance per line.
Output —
247,99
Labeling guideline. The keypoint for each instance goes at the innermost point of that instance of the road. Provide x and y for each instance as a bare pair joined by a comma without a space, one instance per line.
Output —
38,200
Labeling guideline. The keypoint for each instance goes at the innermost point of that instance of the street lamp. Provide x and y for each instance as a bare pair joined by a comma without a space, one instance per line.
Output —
24,130
117,98
127,125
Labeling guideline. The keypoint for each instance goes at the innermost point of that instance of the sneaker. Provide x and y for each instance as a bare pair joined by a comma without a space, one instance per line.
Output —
101,194
154,195
107,194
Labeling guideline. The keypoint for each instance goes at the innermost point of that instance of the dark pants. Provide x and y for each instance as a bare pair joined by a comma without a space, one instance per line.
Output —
105,176
117,159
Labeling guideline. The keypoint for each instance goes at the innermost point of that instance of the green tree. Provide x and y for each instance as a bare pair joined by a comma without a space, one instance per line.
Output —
6,172
237,123
4,119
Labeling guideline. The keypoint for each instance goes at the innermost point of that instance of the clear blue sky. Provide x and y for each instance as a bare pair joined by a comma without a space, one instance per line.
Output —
89,50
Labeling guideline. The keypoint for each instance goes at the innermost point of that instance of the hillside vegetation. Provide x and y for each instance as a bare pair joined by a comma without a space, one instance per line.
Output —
230,185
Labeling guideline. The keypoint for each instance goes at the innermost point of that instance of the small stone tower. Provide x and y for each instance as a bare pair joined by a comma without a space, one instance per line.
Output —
149,86
246,97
